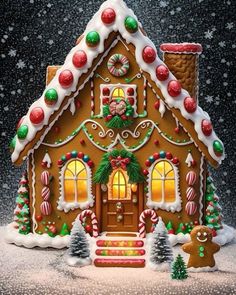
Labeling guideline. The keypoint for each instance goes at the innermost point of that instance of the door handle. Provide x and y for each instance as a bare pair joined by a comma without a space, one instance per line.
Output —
135,200
104,201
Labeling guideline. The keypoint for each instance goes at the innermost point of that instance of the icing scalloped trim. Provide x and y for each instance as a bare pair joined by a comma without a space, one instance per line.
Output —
140,41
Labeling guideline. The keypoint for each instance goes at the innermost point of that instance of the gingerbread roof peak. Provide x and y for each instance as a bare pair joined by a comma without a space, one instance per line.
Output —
113,16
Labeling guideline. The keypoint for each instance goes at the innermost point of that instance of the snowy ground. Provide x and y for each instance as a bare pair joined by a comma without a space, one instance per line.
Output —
38,271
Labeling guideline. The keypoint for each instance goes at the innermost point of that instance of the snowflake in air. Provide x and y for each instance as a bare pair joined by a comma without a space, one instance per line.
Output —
208,34
20,64
229,26
25,38
209,98
222,44
12,52
163,4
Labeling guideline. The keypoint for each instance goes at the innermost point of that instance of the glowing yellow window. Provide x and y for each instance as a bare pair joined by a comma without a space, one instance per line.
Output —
119,188
163,182
75,182
118,93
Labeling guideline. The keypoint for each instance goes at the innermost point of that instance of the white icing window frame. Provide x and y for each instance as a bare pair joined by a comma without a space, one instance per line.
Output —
170,206
112,87
66,206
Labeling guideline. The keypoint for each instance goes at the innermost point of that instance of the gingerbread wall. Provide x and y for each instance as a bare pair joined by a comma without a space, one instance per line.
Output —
171,137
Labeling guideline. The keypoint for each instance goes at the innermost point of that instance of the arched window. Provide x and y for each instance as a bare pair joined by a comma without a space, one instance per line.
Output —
75,182
118,93
119,188
163,186
76,186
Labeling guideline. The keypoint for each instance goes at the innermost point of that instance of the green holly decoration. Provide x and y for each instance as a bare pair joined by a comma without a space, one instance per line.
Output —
181,229
213,210
179,269
64,230
169,228
22,131
21,212
131,24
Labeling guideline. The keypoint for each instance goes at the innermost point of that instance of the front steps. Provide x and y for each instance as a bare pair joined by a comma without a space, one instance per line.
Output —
121,250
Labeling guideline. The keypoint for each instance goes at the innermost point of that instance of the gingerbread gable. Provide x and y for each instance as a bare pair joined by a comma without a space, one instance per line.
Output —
81,61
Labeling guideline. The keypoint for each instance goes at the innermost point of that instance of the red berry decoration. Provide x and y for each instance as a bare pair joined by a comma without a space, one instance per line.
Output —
169,156
123,117
145,172
149,54
148,163
206,127
196,222
174,88
156,156
177,130
130,91
108,16
193,163
90,163
79,59
37,115
105,100
106,91
157,104
175,161
80,155
44,164
88,228
39,218
190,104
60,163
68,156
82,141
66,78
156,141
162,73
109,117
131,100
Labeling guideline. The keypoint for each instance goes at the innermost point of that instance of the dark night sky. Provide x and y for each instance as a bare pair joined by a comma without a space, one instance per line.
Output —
35,34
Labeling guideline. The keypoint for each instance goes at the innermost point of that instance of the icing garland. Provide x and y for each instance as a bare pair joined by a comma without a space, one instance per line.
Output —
118,59
114,160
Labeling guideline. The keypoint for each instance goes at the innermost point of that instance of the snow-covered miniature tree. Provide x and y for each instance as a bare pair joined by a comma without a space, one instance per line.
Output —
161,252
179,269
79,253
213,210
21,212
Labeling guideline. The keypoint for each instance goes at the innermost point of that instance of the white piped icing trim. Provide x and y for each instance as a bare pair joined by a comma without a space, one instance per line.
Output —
66,206
201,221
35,224
168,206
140,41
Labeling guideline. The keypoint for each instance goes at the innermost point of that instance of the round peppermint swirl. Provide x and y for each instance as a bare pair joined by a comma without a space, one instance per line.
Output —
118,59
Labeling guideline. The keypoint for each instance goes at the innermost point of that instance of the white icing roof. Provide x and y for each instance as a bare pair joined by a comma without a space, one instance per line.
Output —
140,41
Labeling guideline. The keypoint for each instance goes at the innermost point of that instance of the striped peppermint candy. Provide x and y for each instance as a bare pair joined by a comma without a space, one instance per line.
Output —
191,178
142,223
89,213
191,208
45,193
46,208
45,177
190,193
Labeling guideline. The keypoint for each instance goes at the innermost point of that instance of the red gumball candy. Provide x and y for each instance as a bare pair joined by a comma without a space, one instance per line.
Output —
131,100
168,156
68,156
66,78
108,16
148,163
156,156
105,100
79,59
157,104
106,91
90,163
130,91
174,88
80,155
145,172
177,130
59,162
123,117
149,54
175,160
88,228
190,104
109,117
206,127
37,115
196,222
39,217
82,141
162,73
156,141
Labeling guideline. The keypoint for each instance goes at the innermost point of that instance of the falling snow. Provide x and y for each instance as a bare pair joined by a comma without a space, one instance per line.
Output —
20,64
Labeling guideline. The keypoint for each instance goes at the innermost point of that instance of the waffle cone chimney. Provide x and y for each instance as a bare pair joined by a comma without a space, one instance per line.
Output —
182,60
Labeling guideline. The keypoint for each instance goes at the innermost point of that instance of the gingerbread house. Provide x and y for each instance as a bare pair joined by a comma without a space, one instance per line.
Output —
117,136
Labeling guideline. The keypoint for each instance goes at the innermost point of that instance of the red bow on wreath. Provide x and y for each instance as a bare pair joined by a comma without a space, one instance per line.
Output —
117,108
119,162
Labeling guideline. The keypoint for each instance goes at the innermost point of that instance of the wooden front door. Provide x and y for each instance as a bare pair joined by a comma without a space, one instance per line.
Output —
120,203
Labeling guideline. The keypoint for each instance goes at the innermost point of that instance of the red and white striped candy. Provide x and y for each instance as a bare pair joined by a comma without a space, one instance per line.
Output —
142,223
45,193
191,208
45,178
46,208
89,213
190,193
191,178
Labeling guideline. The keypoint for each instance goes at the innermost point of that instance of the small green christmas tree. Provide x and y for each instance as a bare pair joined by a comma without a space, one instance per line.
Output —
213,210
179,269
169,228
21,212
64,230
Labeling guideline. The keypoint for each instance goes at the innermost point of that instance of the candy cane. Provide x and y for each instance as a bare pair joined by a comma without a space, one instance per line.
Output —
146,213
89,213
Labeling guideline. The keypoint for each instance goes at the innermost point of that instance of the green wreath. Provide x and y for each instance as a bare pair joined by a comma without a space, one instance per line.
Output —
115,159
118,113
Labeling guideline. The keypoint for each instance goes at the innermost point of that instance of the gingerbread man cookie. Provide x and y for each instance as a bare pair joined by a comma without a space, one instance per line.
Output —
201,248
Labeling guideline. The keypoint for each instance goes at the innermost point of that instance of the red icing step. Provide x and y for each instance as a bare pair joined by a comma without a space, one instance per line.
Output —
125,252
120,243
100,262
181,47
